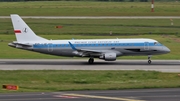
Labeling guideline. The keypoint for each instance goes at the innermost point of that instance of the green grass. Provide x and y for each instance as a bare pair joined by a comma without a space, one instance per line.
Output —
82,8
60,80
170,41
96,26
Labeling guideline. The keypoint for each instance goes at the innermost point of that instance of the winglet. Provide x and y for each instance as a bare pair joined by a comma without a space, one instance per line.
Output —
72,46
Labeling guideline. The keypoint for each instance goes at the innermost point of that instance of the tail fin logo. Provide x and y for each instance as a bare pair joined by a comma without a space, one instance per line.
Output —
25,30
17,31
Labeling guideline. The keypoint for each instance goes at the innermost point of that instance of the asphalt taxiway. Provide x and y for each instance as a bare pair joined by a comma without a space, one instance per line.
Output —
82,64
169,94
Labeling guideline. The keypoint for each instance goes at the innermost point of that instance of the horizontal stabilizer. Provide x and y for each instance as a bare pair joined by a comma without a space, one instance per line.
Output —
19,45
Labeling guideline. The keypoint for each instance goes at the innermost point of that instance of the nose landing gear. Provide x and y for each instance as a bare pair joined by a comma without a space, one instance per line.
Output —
149,59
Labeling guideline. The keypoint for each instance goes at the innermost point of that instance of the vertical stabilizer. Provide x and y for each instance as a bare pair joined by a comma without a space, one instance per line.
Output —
22,31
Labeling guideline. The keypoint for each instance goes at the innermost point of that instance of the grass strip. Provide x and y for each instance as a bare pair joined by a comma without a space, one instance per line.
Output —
96,26
63,80
84,8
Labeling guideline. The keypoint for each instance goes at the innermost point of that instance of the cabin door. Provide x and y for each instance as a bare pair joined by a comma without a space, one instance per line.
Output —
50,47
146,45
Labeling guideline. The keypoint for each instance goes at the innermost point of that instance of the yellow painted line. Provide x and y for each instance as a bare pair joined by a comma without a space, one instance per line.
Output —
102,97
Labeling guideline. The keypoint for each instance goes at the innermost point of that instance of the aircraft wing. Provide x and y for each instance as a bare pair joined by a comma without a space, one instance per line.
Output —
89,52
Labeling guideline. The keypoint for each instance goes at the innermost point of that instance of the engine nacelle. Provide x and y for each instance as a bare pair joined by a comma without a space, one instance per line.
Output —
108,56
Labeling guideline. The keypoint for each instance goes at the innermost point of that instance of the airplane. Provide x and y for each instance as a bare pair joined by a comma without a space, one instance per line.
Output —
106,49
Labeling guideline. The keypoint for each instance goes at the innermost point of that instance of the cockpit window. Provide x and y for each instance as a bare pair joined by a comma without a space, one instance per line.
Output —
157,44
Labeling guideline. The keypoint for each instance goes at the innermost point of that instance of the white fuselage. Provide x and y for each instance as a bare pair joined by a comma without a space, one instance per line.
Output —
119,46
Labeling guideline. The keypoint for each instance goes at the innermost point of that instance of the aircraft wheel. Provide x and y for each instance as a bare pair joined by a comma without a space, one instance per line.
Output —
91,61
149,61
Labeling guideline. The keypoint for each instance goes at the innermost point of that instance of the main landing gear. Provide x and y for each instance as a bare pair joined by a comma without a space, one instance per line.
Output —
91,60
149,59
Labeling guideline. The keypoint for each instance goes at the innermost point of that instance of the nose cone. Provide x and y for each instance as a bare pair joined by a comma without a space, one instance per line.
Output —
166,50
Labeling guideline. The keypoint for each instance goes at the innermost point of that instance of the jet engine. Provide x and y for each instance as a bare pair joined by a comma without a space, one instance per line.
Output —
108,56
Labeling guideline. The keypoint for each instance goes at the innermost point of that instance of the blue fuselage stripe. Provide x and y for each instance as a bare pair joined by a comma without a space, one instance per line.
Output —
94,45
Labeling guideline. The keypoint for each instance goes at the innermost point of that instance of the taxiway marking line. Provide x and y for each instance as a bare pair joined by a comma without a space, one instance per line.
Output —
103,97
